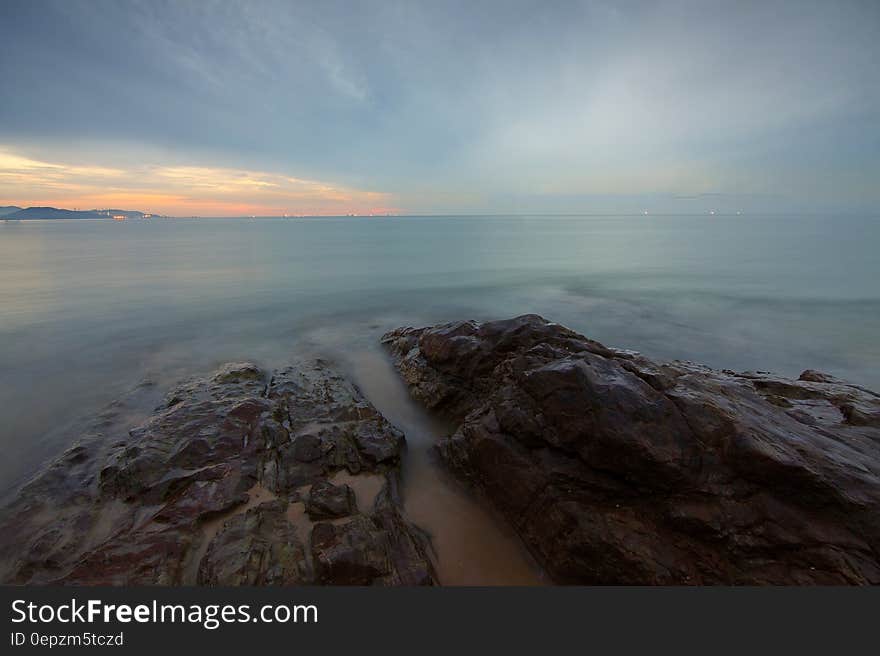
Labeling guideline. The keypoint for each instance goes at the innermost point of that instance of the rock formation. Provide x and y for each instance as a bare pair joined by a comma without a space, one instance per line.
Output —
614,468
231,481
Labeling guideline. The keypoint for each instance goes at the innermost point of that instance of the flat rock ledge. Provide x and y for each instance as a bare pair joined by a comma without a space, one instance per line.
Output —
240,478
615,469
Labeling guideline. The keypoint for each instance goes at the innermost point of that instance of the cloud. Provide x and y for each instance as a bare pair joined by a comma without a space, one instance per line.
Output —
16,169
455,100
179,189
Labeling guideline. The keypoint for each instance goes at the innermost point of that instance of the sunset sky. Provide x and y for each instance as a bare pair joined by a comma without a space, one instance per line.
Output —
227,108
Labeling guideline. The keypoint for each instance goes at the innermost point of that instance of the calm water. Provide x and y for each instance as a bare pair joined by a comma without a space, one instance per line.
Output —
89,308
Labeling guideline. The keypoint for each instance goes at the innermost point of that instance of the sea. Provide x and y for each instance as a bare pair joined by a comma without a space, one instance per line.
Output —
91,308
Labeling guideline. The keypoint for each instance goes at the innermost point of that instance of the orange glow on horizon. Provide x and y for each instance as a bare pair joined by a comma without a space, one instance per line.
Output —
179,190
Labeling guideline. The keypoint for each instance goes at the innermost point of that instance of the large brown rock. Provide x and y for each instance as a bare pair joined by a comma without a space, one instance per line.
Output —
211,489
614,468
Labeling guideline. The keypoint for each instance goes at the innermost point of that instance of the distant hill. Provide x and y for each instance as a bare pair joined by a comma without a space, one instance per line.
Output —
53,213
8,209
56,213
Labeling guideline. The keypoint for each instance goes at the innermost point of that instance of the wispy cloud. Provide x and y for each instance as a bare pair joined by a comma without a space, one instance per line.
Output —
177,189
19,169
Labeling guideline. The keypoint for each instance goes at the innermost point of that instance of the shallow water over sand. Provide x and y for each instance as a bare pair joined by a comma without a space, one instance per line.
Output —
473,546
90,308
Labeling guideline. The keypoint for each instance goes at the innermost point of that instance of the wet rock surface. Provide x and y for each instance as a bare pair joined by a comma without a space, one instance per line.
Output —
221,486
614,468
327,501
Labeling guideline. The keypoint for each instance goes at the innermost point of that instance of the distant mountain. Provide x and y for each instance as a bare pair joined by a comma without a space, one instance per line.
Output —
56,213
8,209
53,213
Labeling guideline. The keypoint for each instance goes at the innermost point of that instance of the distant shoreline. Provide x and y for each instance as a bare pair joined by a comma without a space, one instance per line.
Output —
646,217
15,213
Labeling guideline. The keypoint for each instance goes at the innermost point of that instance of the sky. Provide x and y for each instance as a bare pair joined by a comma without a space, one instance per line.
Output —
218,108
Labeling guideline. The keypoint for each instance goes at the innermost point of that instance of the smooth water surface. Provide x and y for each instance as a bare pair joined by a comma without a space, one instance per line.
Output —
90,308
